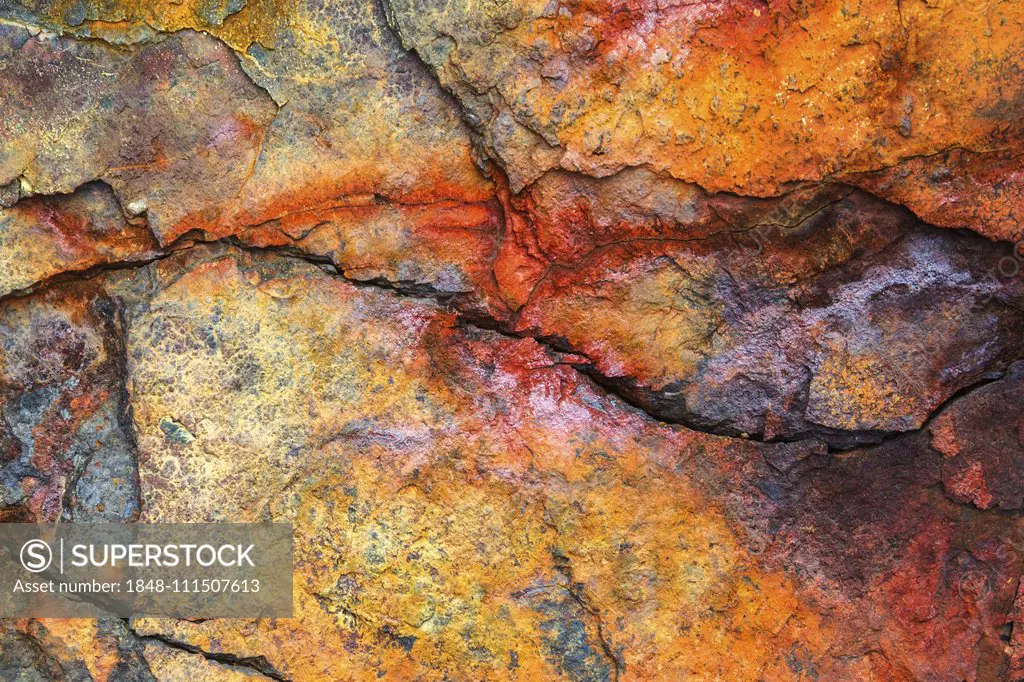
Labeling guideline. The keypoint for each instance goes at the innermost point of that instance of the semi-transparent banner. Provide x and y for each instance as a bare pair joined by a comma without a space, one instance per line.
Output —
207,570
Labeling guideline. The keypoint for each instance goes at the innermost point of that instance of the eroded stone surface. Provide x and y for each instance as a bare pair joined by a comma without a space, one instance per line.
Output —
169,664
873,539
826,311
47,236
958,189
698,207
546,530
75,649
352,116
68,447
982,440
393,449
735,95
469,501
173,125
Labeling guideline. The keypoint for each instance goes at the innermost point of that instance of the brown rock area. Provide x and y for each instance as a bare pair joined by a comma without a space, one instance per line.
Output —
982,440
577,340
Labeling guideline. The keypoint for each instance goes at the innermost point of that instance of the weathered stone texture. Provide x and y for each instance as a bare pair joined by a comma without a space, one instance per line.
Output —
578,340
982,440
173,126
737,96
68,449
45,237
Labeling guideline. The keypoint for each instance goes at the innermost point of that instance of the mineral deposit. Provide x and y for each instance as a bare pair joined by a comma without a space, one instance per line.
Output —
588,341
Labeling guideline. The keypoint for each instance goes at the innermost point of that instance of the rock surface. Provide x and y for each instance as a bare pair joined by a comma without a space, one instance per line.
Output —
982,440
587,341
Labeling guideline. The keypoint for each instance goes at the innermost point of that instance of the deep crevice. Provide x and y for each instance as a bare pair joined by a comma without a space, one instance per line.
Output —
623,389
88,273
259,664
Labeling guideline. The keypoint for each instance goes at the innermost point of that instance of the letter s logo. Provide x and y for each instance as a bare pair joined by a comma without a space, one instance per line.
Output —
36,556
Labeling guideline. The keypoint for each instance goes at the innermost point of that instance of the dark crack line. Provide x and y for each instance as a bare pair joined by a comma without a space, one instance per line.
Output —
1008,616
125,411
259,664
389,24
982,382
575,591
616,387
404,288
91,272
387,19
607,385
479,132
421,291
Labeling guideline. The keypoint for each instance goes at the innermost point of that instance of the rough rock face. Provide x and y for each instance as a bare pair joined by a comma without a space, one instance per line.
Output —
733,95
577,340
45,237
832,313
152,122
68,444
984,459
319,108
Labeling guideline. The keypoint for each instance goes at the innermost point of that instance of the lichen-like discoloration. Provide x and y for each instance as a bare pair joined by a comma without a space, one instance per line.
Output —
173,124
76,649
483,499
371,445
328,111
453,240
68,446
831,312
